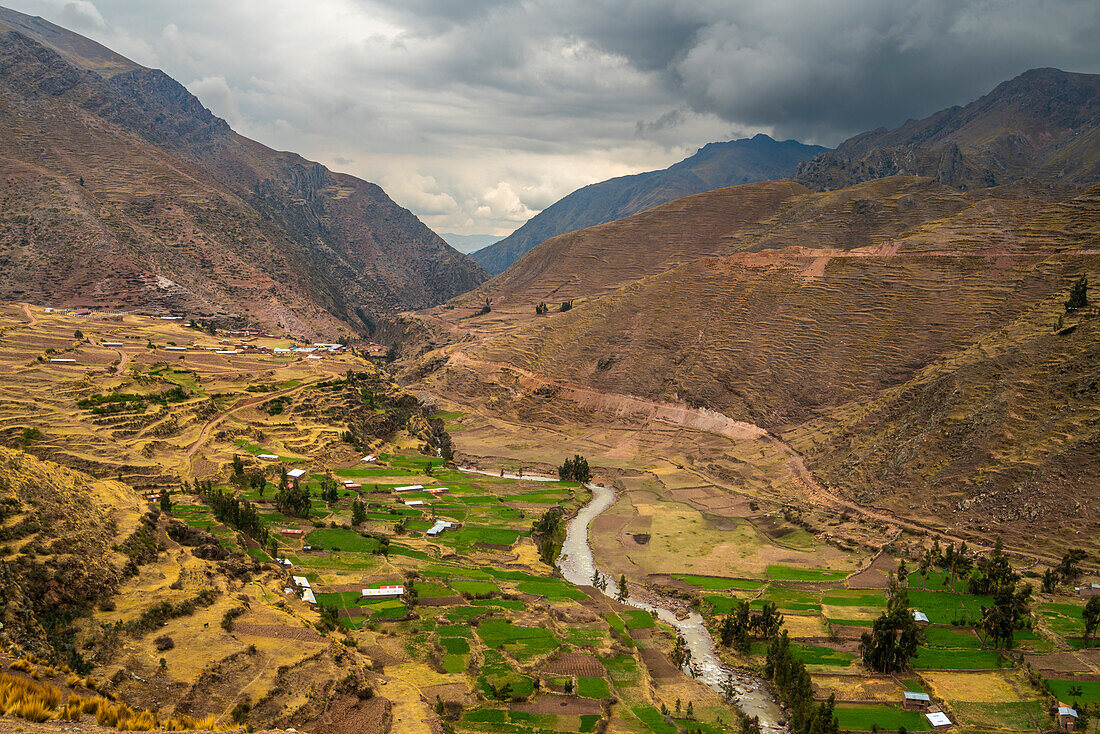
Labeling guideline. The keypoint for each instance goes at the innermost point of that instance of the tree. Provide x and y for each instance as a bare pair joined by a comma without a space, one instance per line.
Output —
575,470
894,636
166,500
78,334
1078,294
541,308
623,593
293,501
728,690
566,306
358,512
330,618
1050,581
238,467
1069,569
1091,616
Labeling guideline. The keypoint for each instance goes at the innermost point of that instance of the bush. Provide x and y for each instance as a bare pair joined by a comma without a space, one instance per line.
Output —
164,642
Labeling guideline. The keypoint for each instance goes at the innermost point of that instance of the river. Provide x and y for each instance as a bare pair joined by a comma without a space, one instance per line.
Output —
578,566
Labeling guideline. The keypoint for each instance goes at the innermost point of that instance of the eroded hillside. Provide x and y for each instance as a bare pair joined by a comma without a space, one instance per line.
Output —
119,189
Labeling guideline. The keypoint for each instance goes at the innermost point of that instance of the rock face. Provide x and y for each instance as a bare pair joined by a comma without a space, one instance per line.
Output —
121,190
715,166
1043,125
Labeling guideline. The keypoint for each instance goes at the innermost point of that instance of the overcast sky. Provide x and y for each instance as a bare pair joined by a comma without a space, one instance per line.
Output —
476,114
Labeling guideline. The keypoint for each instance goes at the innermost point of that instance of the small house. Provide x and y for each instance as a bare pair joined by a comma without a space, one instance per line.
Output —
439,527
369,458
414,503
296,473
409,488
920,617
385,592
437,490
269,457
1067,718
938,719
916,701
291,531
62,360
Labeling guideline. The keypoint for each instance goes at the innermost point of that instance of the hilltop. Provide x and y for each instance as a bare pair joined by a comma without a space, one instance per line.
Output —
121,190
714,166
1042,125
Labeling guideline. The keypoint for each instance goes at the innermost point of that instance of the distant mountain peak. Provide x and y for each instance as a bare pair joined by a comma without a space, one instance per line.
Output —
1041,124
715,165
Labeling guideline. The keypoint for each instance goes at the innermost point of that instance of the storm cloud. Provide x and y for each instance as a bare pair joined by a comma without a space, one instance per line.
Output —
476,114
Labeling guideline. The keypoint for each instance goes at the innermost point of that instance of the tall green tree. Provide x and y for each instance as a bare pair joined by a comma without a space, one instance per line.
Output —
894,636
1078,294
1091,616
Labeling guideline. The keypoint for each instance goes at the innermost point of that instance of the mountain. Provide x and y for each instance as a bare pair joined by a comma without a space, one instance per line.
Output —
121,190
714,166
769,302
1044,124
468,242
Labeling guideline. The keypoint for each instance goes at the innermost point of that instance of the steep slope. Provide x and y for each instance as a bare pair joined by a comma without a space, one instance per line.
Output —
714,166
1004,429
1044,124
64,545
825,299
120,189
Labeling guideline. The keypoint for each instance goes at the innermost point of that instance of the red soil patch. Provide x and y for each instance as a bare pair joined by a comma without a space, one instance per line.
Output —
278,631
658,664
876,576
567,706
574,663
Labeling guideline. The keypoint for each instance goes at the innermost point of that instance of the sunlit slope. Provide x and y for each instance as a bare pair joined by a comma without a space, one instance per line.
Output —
1004,430
772,331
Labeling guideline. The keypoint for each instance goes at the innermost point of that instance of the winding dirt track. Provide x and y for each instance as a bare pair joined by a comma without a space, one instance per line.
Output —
712,422
214,422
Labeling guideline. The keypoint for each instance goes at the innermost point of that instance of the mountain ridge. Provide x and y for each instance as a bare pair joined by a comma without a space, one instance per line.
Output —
1042,124
714,166
186,215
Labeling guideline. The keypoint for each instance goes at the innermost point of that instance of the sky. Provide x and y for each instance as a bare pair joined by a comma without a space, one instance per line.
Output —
477,114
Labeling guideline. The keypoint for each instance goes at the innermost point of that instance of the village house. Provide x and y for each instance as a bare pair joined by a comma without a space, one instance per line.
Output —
1067,718
384,592
916,701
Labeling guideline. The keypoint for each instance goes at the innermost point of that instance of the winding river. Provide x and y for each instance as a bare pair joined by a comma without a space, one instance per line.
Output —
577,565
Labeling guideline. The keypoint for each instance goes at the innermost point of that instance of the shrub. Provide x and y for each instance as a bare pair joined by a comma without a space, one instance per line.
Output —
164,642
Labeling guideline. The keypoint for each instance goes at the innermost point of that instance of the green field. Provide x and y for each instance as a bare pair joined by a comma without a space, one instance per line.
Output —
890,718
930,658
953,638
342,539
718,583
1090,690
593,688
475,588
789,573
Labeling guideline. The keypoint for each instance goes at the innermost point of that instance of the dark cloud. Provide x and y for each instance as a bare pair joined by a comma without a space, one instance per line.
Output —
477,113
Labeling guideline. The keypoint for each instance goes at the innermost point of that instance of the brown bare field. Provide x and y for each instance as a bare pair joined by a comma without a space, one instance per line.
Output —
861,687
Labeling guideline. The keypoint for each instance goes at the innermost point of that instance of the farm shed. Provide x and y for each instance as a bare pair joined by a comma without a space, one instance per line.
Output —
440,526
296,473
384,592
1067,718
938,719
920,617
916,701
409,488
